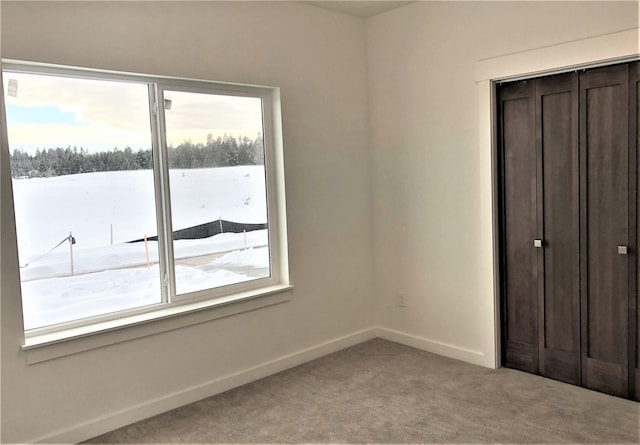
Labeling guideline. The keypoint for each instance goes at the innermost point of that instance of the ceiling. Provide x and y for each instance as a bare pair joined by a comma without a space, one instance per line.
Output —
359,8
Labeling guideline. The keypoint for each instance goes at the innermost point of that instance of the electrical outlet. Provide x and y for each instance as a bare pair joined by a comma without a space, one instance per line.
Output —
402,300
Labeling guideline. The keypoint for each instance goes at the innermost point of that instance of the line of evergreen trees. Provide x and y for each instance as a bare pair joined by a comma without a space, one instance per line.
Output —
224,151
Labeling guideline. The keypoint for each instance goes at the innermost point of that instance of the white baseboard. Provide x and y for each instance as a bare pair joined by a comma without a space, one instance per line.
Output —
436,347
118,419
95,427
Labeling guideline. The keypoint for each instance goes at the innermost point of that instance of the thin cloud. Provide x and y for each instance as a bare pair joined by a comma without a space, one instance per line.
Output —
195,115
115,114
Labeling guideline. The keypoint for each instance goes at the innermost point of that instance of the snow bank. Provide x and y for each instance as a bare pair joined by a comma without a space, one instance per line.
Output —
114,277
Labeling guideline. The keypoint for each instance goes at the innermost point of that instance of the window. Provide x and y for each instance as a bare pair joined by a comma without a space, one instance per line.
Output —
134,193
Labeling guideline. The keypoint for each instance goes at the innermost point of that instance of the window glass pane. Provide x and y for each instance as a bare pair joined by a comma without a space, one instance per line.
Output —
218,192
83,192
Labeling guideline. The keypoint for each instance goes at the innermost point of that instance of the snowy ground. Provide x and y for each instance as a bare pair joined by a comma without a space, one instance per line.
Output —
111,277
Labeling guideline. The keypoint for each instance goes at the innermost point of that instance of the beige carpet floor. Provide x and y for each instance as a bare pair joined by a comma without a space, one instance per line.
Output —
383,392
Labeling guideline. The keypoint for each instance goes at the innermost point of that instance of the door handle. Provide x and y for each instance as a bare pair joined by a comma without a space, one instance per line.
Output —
622,250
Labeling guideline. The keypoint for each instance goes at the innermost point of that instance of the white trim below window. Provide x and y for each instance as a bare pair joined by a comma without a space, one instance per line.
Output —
60,343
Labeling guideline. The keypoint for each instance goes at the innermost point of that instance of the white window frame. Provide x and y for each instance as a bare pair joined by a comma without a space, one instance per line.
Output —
176,311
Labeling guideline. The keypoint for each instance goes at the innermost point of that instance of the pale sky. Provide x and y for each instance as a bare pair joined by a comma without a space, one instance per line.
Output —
50,112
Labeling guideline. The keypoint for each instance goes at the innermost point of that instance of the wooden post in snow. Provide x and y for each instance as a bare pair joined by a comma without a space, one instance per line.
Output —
71,240
146,251
220,219
244,239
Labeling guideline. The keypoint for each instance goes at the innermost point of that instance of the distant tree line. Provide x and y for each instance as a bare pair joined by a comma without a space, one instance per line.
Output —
224,151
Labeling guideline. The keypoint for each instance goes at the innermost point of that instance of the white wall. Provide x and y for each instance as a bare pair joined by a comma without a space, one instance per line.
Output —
317,58
431,181
427,177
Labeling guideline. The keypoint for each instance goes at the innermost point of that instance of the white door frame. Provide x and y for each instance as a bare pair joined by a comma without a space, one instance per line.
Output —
580,54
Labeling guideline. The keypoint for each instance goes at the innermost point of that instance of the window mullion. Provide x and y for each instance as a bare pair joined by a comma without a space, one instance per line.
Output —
163,204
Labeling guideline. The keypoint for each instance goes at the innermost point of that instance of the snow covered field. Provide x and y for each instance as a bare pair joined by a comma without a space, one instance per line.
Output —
111,277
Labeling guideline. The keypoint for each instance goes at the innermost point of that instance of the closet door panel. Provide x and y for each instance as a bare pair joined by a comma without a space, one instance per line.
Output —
605,211
520,324
559,265
634,306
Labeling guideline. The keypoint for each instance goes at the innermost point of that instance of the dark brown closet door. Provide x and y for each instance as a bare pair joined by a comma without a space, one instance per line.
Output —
634,304
518,192
558,215
604,230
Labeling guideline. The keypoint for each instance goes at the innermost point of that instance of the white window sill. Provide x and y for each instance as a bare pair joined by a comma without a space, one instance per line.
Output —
59,344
